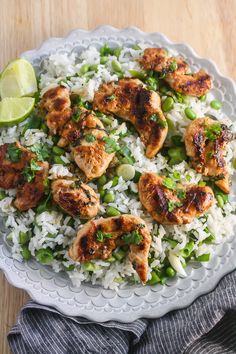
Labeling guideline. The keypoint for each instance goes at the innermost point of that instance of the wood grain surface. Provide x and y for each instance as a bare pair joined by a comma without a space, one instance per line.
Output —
209,26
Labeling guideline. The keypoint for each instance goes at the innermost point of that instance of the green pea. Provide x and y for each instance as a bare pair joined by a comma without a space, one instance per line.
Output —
170,272
58,151
102,180
109,197
220,201
44,256
117,51
84,69
190,114
203,98
155,278
202,183
93,67
116,66
215,104
101,191
137,74
58,160
115,181
25,252
177,155
2,195
170,123
119,254
110,211
103,60
23,237
168,104
203,258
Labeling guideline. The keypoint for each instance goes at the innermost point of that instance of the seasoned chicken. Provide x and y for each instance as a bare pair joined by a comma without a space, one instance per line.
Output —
57,104
130,100
29,194
173,206
88,145
13,158
98,238
175,71
75,198
205,141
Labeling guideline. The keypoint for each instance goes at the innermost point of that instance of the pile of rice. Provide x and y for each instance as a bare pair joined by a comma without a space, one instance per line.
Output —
56,230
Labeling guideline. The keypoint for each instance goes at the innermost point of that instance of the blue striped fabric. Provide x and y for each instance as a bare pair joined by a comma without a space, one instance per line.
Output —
208,326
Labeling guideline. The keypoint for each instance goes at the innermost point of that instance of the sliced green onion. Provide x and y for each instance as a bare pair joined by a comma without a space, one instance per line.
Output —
119,254
203,258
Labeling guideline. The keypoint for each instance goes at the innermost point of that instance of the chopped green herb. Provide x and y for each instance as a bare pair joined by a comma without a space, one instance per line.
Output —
181,194
212,131
152,83
171,206
90,138
30,170
13,153
173,66
218,177
110,145
76,116
105,50
101,236
133,237
110,98
41,151
155,118
169,183
188,178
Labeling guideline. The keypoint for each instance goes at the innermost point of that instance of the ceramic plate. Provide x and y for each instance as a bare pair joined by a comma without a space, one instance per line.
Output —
132,302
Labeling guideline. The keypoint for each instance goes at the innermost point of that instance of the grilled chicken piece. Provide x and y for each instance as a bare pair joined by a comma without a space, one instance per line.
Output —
13,158
168,206
57,104
131,100
205,141
87,144
29,194
176,72
75,198
87,245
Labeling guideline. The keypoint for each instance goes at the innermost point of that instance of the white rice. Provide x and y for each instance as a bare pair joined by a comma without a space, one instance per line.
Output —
53,230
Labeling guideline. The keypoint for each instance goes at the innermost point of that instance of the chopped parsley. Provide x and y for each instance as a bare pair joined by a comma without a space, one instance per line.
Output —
13,153
110,145
169,183
181,194
218,177
152,83
212,131
105,50
172,206
30,170
133,237
111,98
90,138
41,150
210,155
155,118
173,66
188,178
176,175
76,116
101,236
170,69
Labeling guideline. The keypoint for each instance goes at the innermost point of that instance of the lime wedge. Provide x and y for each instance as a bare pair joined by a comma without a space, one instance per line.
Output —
14,110
18,79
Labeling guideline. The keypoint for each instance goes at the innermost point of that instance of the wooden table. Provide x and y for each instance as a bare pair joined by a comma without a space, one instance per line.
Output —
209,26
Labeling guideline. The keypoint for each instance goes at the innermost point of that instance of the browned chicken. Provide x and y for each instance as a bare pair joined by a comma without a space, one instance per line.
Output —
130,100
75,198
179,205
205,141
88,146
57,104
175,71
13,158
29,194
98,238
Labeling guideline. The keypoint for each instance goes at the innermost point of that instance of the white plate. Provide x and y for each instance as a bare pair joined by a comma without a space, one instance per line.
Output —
133,302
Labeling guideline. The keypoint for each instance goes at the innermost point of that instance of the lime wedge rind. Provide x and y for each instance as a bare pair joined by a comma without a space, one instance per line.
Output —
13,110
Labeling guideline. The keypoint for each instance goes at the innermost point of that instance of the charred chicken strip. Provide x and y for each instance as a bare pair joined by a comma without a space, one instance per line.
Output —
56,102
205,141
87,144
75,198
173,206
29,194
13,158
98,238
175,72
130,100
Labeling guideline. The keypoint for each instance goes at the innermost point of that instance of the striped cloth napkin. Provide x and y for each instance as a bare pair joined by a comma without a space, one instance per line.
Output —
208,326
